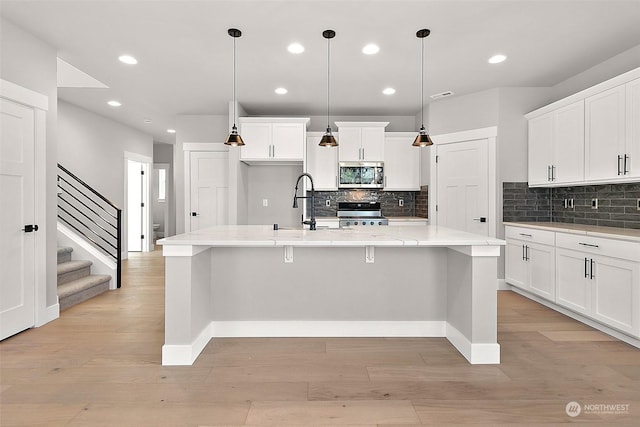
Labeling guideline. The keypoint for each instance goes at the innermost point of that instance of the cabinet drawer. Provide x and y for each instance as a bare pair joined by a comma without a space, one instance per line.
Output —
543,237
599,246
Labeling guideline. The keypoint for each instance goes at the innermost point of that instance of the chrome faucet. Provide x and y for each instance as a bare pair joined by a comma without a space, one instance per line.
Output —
312,221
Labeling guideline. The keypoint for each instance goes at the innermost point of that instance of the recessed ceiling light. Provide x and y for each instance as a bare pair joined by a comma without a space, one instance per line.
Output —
295,48
128,59
389,91
114,103
370,49
496,59
281,91
171,130
147,120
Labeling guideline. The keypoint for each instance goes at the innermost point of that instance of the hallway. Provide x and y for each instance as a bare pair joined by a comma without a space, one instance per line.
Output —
99,365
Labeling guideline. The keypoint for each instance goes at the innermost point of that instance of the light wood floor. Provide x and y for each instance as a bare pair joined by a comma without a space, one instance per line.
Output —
99,365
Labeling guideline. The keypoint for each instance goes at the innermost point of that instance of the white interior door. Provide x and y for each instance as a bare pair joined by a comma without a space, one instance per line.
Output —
136,206
209,189
463,186
17,264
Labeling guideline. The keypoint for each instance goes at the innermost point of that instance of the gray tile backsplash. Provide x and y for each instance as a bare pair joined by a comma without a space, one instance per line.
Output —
617,204
388,200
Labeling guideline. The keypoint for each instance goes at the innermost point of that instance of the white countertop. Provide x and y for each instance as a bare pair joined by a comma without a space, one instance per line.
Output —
588,230
265,236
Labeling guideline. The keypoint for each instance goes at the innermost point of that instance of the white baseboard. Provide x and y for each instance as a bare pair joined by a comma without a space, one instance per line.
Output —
49,314
503,285
292,329
476,354
186,354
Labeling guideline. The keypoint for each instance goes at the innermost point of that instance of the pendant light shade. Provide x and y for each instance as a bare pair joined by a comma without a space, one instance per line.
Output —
328,139
234,139
423,139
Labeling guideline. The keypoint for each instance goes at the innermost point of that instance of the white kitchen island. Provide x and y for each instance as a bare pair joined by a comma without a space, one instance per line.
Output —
253,281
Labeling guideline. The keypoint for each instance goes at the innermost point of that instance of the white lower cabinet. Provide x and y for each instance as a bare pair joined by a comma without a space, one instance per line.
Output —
600,287
529,266
596,277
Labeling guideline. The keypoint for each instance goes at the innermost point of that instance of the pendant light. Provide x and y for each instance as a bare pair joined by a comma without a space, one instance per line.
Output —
327,139
422,140
234,139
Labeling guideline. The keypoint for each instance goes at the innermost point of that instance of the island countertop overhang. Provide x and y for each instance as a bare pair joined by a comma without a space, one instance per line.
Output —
266,236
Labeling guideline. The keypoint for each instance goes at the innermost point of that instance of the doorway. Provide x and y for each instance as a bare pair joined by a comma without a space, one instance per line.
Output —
138,229
464,181
209,185
160,200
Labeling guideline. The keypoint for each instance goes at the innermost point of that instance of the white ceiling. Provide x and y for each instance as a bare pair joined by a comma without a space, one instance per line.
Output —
184,51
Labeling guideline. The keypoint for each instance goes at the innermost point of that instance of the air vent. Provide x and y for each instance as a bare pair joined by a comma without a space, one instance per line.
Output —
441,95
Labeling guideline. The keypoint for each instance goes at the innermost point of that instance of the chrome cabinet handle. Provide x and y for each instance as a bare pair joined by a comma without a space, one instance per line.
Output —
525,235
553,173
549,173
624,169
591,276
619,169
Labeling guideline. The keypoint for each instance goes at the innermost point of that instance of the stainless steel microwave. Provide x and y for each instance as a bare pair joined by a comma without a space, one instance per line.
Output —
361,175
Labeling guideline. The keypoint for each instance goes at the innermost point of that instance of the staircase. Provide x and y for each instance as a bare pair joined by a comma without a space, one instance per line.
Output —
75,281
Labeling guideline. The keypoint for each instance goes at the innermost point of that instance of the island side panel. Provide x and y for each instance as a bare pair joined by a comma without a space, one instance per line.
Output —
472,306
329,284
187,307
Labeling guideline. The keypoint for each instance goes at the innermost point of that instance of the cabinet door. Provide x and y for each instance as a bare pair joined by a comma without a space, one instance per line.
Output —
288,141
372,142
616,297
568,144
604,137
632,146
541,263
401,164
540,149
322,165
349,147
257,139
573,288
515,264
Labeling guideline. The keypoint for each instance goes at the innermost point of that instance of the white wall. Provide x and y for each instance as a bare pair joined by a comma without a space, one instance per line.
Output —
31,63
619,64
276,184
92,147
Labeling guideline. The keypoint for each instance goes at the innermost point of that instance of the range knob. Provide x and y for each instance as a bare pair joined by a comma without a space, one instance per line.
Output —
355,223
379,222
371,222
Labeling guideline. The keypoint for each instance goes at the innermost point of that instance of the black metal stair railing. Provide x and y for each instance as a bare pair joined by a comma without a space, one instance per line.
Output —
91,215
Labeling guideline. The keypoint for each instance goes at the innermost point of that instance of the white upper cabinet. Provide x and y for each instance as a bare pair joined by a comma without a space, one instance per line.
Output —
401,163
632,131
361,141
591,137
322,163
556,146
269,139
605,134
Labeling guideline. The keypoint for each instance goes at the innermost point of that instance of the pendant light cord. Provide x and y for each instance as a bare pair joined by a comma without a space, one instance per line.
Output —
234,82
328,80
422,83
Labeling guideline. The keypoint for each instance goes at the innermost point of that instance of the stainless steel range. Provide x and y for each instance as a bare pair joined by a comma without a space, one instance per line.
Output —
353,214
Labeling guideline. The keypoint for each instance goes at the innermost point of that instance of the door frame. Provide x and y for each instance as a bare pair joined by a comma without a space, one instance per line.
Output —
147,163
488,133
167,202
40,104
187,148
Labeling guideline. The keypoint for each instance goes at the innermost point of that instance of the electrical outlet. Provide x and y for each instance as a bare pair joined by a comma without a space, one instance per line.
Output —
594,203
265,203
400,202
327,203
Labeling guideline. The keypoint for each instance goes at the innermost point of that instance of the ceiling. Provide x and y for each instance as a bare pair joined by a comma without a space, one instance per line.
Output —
185,55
